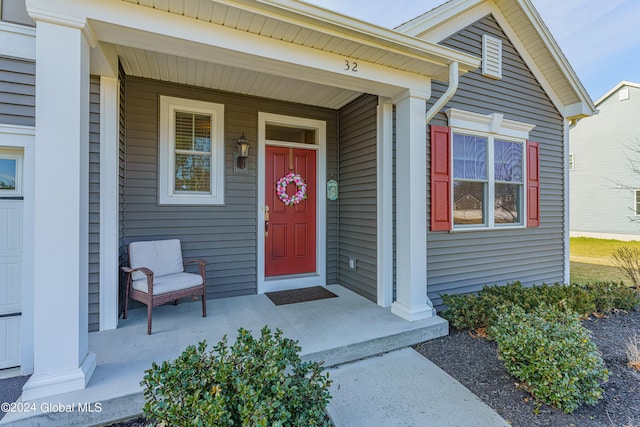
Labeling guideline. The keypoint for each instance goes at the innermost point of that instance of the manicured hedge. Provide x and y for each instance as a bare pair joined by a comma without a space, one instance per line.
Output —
549,351
478,311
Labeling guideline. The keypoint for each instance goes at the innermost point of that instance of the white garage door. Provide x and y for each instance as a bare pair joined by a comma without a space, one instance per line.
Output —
11,216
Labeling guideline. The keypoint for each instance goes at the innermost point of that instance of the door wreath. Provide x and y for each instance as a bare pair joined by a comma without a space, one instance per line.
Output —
281,189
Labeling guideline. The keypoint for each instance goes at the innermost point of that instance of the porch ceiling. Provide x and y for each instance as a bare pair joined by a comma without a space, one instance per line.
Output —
160,66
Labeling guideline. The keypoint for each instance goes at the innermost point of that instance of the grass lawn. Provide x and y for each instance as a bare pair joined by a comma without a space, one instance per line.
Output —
591,260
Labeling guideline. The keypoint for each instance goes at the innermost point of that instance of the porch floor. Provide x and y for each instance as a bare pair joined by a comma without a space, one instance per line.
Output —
336,330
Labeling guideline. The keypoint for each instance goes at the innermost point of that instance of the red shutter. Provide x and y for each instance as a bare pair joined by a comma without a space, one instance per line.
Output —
440,179
533,184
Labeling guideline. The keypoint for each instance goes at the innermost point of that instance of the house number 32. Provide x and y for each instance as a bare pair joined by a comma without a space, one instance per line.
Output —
350,66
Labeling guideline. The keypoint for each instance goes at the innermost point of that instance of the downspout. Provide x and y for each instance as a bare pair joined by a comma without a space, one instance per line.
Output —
435,108
451,90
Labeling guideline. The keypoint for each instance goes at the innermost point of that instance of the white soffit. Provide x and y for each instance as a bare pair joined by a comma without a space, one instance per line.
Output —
175,69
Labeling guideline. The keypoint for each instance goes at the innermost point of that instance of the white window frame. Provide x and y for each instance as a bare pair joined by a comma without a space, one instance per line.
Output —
635,202
492,126
166,179
9,154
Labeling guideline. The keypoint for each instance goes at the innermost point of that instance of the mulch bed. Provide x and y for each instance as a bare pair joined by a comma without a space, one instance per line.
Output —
474,363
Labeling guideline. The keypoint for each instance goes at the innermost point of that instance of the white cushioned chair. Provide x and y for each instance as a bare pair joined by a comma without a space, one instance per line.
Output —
156,276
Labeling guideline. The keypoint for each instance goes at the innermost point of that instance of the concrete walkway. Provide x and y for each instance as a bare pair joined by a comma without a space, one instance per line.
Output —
402,388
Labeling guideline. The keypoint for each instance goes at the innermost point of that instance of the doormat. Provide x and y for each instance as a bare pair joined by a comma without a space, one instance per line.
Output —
300,295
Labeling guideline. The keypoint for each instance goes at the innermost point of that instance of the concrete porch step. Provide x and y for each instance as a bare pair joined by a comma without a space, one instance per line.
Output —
334,330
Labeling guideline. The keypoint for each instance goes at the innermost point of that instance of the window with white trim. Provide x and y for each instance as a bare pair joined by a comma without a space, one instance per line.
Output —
191,158
488,180
488,165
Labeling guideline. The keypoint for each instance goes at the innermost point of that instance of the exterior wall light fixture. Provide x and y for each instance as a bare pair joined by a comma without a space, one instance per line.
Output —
240,155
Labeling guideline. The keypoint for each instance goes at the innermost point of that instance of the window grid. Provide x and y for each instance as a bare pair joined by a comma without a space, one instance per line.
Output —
192,153
191,160
471,201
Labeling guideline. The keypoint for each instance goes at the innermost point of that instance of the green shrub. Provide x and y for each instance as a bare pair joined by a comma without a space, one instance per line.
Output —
472,312
609,296
255,382
552,353
466,311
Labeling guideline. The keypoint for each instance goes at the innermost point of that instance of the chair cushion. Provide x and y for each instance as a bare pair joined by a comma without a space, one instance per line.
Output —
169,283
163,257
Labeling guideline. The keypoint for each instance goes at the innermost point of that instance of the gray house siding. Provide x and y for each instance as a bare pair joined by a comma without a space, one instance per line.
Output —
94,204
358,200
605,147
17,91
224,235
462,262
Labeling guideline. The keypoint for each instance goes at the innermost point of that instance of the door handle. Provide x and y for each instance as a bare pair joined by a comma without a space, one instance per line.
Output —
266,221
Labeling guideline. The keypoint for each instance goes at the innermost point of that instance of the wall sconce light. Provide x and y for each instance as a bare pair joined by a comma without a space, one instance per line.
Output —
241,154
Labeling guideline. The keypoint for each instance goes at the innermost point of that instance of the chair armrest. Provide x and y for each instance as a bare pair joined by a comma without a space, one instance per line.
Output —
147,272
144,270
201,265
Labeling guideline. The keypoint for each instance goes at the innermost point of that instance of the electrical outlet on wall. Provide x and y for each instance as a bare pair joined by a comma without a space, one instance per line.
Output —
352,263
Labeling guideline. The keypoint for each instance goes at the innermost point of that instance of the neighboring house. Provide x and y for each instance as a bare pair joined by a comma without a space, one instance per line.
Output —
139,105
605,168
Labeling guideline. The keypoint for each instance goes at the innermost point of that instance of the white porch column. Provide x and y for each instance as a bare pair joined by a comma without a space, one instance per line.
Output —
411,302
109,201
62,361
385,202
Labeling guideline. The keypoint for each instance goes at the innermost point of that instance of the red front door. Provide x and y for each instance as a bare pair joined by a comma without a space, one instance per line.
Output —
291,235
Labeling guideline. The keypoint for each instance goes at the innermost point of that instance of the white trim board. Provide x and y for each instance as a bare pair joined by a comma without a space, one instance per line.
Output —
18,41
385,203
304,280
109,201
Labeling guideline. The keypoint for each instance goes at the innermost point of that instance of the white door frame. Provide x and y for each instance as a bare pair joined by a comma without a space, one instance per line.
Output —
302,280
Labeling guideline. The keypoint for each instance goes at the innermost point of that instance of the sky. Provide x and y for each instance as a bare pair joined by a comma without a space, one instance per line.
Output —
600,38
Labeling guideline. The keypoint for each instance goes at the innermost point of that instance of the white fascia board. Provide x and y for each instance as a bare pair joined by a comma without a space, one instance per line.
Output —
200,40
437,16
577,111
336,24
449,18
130,18
17,41
615,89
557,54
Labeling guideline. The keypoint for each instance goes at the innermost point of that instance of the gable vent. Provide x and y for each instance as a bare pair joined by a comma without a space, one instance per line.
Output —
491,57
623,95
